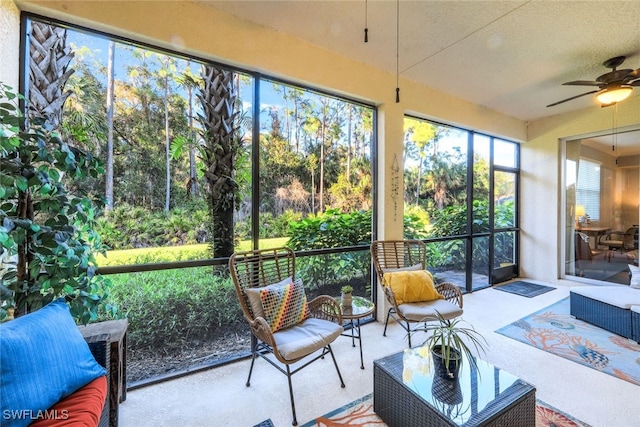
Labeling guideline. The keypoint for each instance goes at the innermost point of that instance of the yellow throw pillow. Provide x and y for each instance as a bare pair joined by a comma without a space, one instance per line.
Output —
411,286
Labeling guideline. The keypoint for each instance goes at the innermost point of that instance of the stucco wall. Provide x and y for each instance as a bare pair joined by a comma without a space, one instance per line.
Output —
9,43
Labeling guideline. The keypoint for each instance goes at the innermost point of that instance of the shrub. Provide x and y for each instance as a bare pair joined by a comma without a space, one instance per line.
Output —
416,222
452,220
134,227
168,309
332,230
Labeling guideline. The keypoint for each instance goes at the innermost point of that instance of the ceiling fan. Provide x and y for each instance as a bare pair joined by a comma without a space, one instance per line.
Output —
613,87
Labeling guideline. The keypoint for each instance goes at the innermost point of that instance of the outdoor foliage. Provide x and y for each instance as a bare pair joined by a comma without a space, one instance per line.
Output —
136,227
170,309
416,222
47,231
332,230
452,221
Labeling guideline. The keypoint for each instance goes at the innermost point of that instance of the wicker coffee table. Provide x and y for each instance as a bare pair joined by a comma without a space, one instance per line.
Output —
405,393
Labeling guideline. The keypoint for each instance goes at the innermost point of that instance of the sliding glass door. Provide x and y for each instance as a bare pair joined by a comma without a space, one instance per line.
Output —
601,210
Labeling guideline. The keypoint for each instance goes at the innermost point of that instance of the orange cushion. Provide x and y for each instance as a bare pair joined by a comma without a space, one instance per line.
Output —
411,286
82,408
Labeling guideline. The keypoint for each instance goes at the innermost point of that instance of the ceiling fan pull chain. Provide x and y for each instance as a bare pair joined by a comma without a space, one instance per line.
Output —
366,19
397,51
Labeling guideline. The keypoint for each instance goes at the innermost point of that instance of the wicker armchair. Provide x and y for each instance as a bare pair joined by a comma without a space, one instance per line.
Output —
310,338
390,255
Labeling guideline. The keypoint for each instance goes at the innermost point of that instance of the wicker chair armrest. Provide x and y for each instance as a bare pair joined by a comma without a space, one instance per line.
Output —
261,329
327,308
450,292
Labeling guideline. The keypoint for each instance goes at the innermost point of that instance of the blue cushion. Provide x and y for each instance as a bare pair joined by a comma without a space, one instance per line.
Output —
43,358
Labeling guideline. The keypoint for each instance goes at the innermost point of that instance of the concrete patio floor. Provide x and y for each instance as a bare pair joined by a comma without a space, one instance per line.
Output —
218,397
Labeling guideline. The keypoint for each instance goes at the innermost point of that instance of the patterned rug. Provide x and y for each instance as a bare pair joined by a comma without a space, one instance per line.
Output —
359,413
553,329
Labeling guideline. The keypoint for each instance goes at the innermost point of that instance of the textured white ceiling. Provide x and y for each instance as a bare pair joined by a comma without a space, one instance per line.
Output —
509,56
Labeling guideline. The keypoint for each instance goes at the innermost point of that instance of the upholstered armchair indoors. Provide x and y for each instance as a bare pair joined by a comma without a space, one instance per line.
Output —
286,327
413,295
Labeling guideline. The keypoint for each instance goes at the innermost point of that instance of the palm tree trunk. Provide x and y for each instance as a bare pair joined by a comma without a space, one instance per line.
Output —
221,142
48,73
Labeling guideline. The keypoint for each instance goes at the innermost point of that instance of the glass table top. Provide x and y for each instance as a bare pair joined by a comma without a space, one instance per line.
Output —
360,307
476,387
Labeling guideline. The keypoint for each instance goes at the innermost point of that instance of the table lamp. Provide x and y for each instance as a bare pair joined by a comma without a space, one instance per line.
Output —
580,212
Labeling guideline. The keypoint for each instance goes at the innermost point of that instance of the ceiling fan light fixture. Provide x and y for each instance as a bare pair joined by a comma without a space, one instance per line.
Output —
614,94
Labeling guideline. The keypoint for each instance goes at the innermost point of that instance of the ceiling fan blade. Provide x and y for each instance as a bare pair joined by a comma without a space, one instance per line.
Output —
634,75
573,97
583,83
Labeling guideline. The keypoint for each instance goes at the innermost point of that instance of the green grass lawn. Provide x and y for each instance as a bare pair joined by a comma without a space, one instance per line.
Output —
174,253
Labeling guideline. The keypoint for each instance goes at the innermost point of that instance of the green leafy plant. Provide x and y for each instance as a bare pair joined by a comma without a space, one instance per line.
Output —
171,309
346,289
47,234
332,229
449,338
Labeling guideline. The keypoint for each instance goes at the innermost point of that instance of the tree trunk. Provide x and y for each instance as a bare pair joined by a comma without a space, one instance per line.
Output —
48,73
167,143
49,57
193,178
110,100
221,143
349,132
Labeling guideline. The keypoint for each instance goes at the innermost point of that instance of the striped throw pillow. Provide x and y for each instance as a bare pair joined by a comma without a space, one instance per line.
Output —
284,306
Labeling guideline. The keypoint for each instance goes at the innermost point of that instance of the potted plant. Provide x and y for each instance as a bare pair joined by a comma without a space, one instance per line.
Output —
347,295
47,236
449,341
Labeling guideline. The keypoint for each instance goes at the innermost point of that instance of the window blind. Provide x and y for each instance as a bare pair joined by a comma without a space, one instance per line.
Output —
588,188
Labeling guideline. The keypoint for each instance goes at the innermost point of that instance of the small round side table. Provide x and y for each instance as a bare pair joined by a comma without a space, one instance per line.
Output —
360,308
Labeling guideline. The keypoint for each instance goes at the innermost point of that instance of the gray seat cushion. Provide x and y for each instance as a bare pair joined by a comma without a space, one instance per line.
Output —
418,311
303,339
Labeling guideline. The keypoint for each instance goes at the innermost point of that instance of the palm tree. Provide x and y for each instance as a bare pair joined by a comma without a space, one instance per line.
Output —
221,141
48,72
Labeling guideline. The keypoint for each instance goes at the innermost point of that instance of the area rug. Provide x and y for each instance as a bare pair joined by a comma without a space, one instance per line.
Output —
265,423
359,413
553,329
524,289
